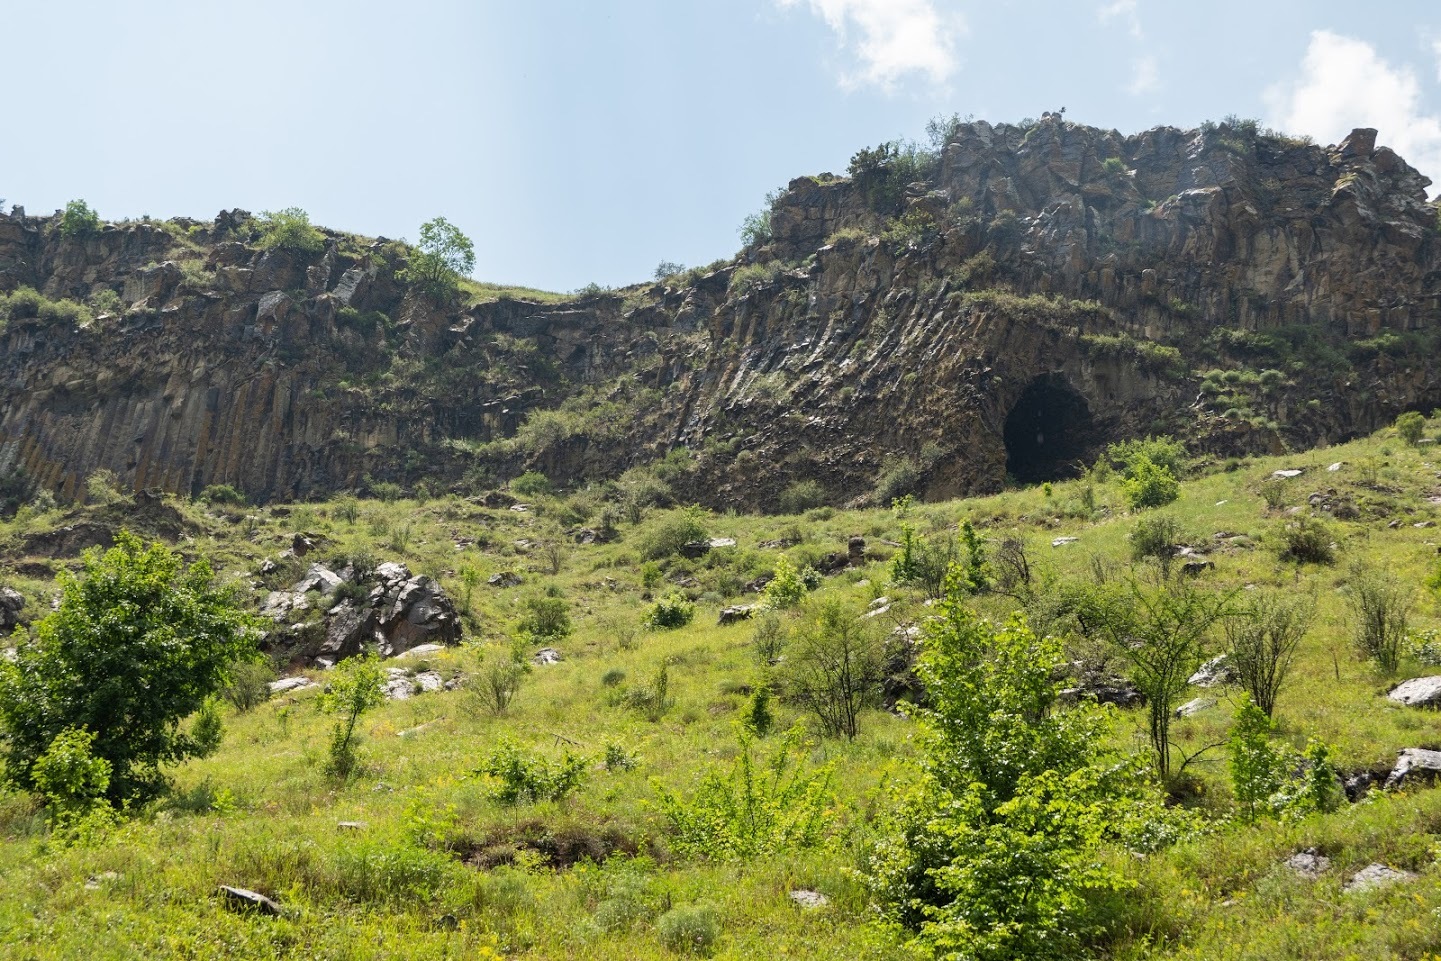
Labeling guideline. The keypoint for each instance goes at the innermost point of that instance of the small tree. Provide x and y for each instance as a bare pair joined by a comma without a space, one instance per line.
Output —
993,851
1411,425
1262,640
137,644
1148,484
786,588
355,687
443,256
834,666
1380,610
1162,631
78,220
70,777
289,229
546,618
1256,772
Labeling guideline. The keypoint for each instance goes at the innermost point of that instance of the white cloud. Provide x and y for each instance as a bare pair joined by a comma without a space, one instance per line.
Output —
1345,84
1436,49
1145,75
1126,10
891,38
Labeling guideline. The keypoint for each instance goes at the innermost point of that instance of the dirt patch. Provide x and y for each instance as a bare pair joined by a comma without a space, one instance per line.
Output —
146,514
559,846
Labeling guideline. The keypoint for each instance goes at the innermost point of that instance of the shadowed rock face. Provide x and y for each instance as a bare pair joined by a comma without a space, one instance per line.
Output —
1056,276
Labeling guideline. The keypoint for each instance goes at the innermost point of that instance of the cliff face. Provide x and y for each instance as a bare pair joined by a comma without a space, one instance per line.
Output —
1032,294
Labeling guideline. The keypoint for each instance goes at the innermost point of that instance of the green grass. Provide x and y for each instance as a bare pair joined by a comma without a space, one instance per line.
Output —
261,814
479,292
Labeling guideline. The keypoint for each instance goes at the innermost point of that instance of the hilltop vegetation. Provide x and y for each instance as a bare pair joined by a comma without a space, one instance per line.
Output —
669,783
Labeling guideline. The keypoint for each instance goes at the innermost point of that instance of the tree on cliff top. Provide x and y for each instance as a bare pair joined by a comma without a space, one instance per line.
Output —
443,256
137,645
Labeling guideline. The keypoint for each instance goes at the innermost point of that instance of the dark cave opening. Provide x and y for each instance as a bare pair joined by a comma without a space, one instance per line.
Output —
1049,433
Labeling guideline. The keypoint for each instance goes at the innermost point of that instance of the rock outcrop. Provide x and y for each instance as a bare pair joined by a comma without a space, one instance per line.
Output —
1036,292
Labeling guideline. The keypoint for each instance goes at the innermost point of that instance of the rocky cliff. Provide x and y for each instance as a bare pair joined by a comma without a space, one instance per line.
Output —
1004,305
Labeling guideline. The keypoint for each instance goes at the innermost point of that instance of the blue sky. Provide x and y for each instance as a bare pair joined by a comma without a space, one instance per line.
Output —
583,141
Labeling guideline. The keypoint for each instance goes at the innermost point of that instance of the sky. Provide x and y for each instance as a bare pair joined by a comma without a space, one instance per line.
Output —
585,141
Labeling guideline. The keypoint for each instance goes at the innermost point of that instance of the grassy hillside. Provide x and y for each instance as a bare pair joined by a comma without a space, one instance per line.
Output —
415,858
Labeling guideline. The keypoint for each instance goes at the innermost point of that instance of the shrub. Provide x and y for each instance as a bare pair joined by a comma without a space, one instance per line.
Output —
289,229
249,685
1273,492
768,637
668,535
612,678
1380,610
835,666
354,688
801,497
499,682
995,852
690,929
222,494
1261,645
546,618
758,715
523,778
756,809
78,220
668,613
1255,765
1148,484
654,699
1162,451
787,586
1307,540
899,477
208,729
69,775
137,644
530,484
1411,425
1156,537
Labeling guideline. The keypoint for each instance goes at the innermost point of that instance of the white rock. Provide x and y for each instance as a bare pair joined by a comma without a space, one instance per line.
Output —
809,900
1308,863
1335,467
722,542
421,649
1415,761
1417,692
1288,473
1195,706
1375,876
547,655
290,684
1063,541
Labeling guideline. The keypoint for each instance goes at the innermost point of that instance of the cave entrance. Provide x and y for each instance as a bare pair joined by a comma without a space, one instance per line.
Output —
1049,433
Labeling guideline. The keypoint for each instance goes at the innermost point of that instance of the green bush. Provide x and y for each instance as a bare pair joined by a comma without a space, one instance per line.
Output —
355,687
834,666
690,929
222,494
1156,537
995,852
531,483
520,778
801,497
289,229
1411,426
78,220
668,613
137,644
666,536
1164,452
546,618
1148,484
69,775
1307,540
787,586
1380,615
249,685
757,808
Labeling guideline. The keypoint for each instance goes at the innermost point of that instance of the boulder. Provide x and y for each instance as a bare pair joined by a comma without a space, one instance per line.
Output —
1215,672
695,549
717,543
1063,541
11,604
286,684
1308,863
400,684
1195,706
736,614
1418,692
1288,474
809,900
546,656
1415,764
1375,876
318,578
247,901
505,579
